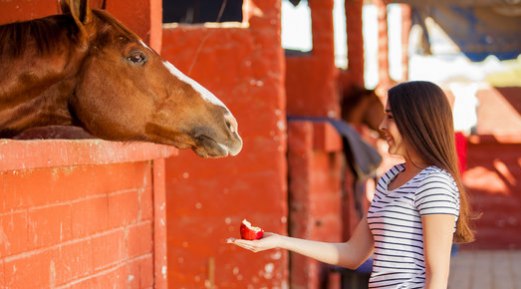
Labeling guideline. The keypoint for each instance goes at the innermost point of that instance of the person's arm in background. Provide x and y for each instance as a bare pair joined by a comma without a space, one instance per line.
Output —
437,241
350,254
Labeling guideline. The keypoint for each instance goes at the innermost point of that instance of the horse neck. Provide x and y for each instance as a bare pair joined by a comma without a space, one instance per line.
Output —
356,113
36,85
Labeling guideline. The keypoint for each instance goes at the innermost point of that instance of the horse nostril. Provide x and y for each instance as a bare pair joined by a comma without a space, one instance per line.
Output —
230,122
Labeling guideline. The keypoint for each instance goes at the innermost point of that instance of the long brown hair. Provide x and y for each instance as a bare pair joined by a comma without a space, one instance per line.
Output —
423,116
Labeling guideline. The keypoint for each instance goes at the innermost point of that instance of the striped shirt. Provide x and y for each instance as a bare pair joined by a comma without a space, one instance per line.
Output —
394,219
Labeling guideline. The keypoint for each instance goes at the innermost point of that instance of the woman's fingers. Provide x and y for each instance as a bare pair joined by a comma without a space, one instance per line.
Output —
230,240
248,245
269,241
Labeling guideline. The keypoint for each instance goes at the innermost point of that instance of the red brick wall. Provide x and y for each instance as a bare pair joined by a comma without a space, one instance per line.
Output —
354,75
318,210
493,175
207,199
12,11
315,196
311,80
493,180
79,215
77,227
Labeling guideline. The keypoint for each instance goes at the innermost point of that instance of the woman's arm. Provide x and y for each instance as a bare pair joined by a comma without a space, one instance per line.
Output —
437,241
350,254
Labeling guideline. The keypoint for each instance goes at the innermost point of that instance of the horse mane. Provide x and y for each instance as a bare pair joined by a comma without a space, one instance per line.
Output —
44,32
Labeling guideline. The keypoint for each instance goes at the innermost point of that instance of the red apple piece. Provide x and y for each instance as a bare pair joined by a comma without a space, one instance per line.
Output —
249,232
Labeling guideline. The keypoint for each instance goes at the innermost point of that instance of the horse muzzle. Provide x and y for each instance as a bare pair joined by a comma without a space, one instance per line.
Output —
208,147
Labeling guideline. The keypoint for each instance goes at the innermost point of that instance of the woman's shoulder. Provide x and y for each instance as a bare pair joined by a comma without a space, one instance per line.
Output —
435,175
437,192
436,171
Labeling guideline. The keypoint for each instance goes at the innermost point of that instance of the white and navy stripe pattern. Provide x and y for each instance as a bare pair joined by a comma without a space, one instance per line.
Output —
394,219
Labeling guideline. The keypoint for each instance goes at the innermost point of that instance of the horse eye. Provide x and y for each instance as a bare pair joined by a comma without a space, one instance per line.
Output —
137,58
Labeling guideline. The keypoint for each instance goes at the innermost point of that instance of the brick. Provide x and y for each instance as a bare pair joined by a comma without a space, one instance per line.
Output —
89,216
35,187
146,204
31,271
38,187
108,249
115,279
72,261
327,204
123,208
3,285
326,138
14,186
93,180
13,233
49,226
146,272
139,273
146,199
140,240
133,275
112,279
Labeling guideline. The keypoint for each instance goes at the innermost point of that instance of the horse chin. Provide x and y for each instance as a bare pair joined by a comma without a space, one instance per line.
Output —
209,148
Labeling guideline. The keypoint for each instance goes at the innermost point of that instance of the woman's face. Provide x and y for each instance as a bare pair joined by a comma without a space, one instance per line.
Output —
391,134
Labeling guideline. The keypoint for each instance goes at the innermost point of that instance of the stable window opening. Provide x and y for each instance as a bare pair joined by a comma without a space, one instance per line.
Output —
202,11
296,34
340,34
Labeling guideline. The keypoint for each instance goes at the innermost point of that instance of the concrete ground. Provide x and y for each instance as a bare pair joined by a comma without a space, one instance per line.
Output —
480,269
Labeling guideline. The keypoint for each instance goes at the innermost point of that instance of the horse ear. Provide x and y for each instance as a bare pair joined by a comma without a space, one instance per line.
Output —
79,10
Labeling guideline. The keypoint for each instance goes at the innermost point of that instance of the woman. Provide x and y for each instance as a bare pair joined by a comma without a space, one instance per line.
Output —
419,207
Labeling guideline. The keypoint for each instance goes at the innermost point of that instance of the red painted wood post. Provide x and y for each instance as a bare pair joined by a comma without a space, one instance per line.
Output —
355,43
243,64
144,17
383,44
160,239
406,30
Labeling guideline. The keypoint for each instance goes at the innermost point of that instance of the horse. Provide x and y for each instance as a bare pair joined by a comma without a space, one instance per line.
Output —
359,107
84,69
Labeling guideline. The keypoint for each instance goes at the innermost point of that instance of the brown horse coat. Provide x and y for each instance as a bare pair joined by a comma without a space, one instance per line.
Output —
84,68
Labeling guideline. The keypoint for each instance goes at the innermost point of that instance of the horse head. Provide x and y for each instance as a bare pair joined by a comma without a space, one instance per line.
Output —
104,78
361,106
126,91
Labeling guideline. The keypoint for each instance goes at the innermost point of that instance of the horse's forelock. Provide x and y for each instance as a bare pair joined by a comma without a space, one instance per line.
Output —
110,23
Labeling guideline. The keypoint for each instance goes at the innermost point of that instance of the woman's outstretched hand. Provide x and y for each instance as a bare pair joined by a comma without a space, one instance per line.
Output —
269,241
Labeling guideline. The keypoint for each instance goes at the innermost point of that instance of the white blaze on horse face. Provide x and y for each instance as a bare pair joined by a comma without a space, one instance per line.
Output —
144,44
207,95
